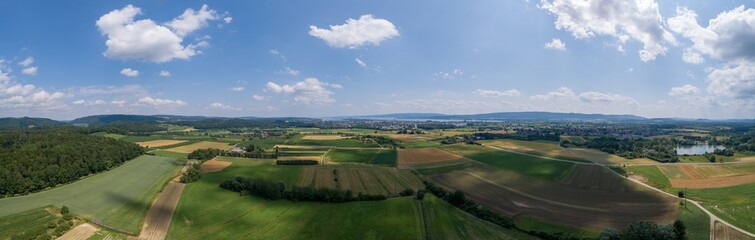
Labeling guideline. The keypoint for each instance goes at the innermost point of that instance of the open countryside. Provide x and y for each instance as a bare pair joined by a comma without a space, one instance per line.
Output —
377,120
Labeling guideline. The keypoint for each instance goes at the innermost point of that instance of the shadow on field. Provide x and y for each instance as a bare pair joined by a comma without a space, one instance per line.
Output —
588,197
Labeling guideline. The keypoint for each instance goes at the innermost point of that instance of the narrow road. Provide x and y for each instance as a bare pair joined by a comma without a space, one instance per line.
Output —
713,217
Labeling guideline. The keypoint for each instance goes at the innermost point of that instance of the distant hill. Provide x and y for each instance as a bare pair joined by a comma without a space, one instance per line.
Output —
27,122
105,119
545,116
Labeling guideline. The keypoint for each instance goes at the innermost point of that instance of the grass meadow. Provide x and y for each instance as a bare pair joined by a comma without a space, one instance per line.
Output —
530,166
378,157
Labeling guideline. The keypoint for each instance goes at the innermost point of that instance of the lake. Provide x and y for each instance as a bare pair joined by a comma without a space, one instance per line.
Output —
696,149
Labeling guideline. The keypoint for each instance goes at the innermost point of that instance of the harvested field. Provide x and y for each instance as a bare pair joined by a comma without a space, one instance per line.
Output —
359,179
727,233
213,166
713,182
80,232
161,213
323,137
578,201
407,157
691,172
160,143
200,145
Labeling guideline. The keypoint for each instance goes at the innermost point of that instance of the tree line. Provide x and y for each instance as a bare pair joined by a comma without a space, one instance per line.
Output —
296,162
32,160
274,190
210,153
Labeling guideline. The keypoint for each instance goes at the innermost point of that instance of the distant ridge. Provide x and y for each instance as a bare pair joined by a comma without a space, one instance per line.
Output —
27,122
546,116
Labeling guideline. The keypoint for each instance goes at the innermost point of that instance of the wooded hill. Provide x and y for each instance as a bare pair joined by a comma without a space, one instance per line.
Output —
32,160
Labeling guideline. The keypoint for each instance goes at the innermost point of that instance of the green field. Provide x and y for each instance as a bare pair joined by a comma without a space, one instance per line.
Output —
264,143
206,211
733,204
530,223
379,157
531,166
697,222
653,175
119,197
335,143
420,144
144,138
444,221
26,221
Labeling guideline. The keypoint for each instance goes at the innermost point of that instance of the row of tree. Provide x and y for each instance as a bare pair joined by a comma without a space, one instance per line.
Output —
210,153
274,190
460,201
32,160
296,162
659,149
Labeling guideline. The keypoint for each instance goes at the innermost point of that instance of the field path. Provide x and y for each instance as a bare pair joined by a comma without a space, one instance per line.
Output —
713,217
80,232
161,213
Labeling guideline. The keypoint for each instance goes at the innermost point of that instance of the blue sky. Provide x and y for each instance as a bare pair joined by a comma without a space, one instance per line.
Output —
335,58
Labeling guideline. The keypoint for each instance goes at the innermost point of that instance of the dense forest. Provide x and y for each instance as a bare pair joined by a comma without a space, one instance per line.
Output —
32,160
26,122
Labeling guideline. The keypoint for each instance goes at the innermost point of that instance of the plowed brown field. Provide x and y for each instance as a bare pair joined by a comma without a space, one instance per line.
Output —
409,157
360,179
80,232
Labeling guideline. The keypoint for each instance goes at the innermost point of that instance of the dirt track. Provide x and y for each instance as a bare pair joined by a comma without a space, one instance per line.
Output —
80,232
161,213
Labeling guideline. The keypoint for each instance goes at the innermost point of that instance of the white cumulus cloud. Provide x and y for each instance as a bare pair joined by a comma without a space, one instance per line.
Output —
685,90
356,32
28,61
496,93
220,106
237,89
639,20
158,102
144,39
29,71
128,72
606,98
164,73
258,97
729,37
556,44
309,91
560,93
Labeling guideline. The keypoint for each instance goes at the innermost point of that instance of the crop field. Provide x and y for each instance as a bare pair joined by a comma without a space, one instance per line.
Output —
119,197
552,149
725,232
214,166
697,221
713,182
206,211
708,176
83,231
443,221
110,135
322,137
370,156
21,222
407,137
530,166
200,145
602,200
364,179
733,204
409,157
420,144
650,175
159,143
